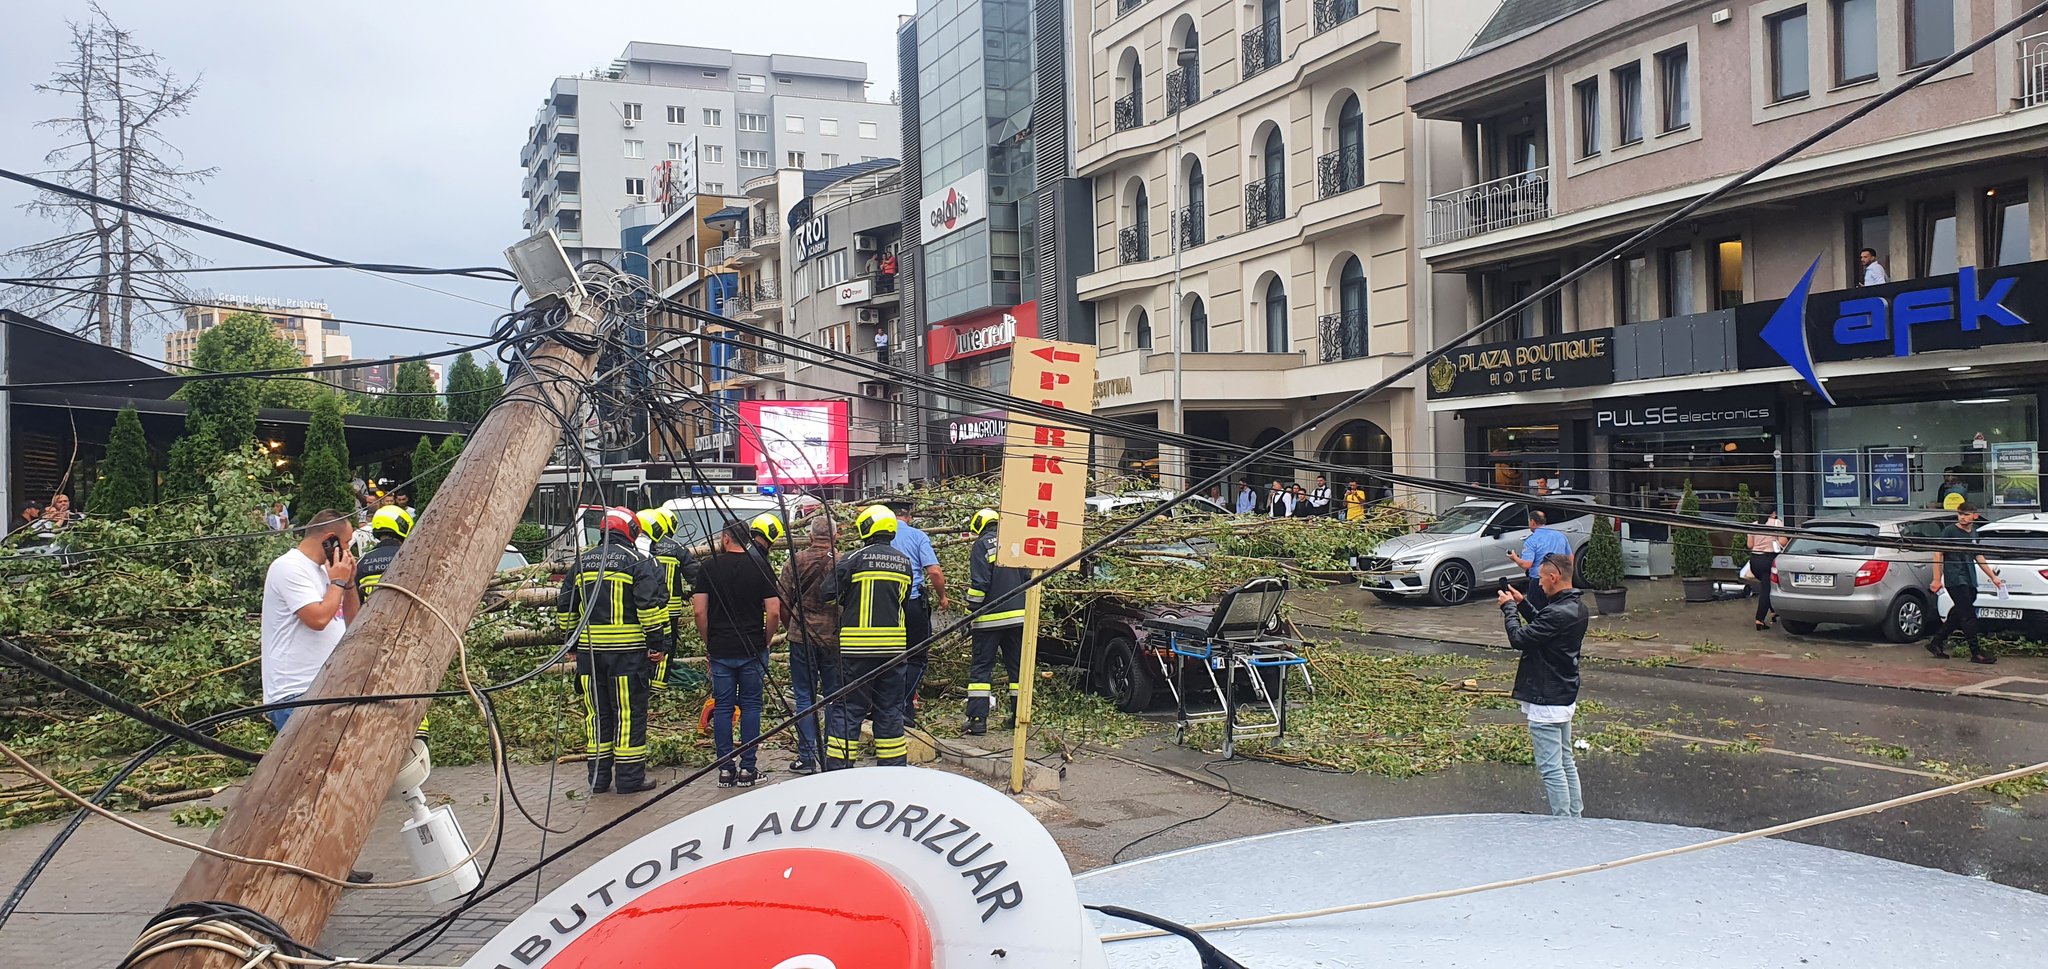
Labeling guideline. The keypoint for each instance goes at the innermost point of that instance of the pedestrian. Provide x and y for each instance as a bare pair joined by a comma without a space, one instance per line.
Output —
882,345
1247,497
680,572
616,608
1763,556
277,519
1276,500
1873,271
1542,541
1547,675
1319,497
768,531
58,512
1953,492
927,584
1354,503
1299,505
1957,572
999,632
738,608
872,586
309,598
1216,495
32,523
388,528
813,626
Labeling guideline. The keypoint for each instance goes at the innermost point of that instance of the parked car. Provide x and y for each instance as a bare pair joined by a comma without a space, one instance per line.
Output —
2025,607
1843,578
1120,659
1464,552
1137,502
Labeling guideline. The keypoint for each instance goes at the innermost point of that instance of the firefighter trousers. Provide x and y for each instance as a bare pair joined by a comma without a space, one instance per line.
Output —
614,685
881,698
989,645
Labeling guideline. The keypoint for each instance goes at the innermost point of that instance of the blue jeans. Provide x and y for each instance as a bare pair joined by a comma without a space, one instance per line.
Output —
736,681
1553,743
277,718
812,674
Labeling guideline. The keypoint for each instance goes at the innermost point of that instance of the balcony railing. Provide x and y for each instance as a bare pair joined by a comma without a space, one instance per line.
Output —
767,291
1261,48
1340,171
1133,244
1190,229
1264,201
722,253
1342,335
1517,199
1130,111
1183,87
1330,13
2034,70
737,304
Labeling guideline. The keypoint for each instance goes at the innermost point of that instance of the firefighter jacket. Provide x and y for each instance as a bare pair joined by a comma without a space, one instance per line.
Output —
680,569
988,582
619,596
370,568
871,585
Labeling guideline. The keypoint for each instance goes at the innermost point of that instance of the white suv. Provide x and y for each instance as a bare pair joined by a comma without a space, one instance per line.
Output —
1465,552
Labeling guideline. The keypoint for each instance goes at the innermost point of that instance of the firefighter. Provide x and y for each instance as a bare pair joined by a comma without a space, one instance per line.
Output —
679,571
619,599
389,527
870,585
998,632
768,531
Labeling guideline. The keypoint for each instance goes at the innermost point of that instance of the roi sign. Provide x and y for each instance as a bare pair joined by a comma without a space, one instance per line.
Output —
1045,461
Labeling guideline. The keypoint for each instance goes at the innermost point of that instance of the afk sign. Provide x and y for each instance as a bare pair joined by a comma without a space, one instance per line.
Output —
1973,308
1045,462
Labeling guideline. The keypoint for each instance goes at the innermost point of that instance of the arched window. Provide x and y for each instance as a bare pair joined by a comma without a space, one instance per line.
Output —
1266,199
1262,41
1276,317
1344,168
1194,226
1360,445
1184,82
1344,338
1198,326
1134,240
1130,109
1277,466
1144,331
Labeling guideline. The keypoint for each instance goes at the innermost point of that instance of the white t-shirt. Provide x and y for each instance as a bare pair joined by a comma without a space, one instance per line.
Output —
1538,713
292,651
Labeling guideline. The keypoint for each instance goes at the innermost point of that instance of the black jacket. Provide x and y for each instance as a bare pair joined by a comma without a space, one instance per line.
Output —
988,582
371,567
871,585
1549,641
624,593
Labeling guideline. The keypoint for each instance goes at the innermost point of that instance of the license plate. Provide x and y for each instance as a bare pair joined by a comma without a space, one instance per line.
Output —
2013,614
1808,580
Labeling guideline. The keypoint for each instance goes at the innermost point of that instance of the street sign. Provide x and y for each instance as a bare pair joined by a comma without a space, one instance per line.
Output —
1045,462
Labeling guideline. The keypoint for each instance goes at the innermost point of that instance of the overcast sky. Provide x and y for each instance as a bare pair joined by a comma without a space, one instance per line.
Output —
386,132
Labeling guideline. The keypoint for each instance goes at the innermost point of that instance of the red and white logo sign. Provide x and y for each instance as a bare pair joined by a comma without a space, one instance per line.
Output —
956,206
982,333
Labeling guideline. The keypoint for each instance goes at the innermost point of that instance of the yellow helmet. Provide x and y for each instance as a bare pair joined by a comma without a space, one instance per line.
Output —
982,520
769,526
657,523
392,520
875,521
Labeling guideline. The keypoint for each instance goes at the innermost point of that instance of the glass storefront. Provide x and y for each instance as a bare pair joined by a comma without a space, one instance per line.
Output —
1905,454
1651,470
1521,458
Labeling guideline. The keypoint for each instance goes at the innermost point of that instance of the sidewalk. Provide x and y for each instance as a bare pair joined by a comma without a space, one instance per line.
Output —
1660,629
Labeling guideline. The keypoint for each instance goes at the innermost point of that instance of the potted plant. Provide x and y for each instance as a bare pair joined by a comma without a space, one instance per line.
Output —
1747,514
1690,553
1600,568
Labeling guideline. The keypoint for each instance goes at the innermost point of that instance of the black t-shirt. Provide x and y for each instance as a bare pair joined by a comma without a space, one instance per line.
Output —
1959,568
735,621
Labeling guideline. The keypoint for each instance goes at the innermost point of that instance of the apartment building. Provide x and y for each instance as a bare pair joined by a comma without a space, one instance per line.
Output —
610,139
691,258
305,324
1849,330
1250,167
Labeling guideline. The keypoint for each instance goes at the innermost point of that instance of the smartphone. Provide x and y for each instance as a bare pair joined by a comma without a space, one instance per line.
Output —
1504,585
332,546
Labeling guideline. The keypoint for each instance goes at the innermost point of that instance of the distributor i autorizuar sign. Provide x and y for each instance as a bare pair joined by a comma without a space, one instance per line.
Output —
1045,461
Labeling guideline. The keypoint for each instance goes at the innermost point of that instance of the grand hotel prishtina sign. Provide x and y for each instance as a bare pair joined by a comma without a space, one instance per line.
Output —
1582,359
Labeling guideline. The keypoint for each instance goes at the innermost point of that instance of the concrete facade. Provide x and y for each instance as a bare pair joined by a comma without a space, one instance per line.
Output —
306,325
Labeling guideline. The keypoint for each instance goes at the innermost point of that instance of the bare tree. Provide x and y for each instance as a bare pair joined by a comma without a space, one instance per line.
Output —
116,261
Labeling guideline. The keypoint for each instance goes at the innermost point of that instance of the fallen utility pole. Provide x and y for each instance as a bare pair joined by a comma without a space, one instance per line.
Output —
315,796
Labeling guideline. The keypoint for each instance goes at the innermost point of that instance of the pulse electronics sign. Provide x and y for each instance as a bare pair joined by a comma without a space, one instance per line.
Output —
1973,308
956,206
1681,412
982,333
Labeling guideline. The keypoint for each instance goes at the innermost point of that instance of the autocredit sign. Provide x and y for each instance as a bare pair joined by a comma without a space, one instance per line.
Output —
987,428
1682,412
1582,359
956,206
1045,460
982,333
908,869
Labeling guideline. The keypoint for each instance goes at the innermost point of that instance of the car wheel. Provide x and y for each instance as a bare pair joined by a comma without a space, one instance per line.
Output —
1124,677
1387,596
1797,627
1451,584
1907,620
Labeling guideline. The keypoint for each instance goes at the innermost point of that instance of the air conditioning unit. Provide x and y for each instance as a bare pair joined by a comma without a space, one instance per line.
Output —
875,389
629,122
863,243
873,316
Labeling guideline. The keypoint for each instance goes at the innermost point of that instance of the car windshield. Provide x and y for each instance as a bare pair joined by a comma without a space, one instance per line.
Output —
1848,544
511,560
1462,520
2037,542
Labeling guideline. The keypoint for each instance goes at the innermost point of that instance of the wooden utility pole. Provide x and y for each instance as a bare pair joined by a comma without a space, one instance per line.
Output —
1027,673
315,796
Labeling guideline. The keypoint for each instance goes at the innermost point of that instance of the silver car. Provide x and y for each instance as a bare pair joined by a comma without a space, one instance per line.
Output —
1464,552
1842,578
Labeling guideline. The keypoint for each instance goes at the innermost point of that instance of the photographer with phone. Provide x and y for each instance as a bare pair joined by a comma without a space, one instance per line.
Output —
309,598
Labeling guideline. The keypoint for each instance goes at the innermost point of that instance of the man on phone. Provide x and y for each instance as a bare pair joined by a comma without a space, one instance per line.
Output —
309,598
1549,637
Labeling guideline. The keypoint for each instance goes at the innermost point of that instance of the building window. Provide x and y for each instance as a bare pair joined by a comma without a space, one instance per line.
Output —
1787,33
675,151
714,188
1728,274
1677,269
1276,317
794,124
828,159
1674,88
753,122
1628,103
677,114
752,83
636,187
636,149
753,159
1935,240
711,153
630,111
1588,92
870,130
1198,326
714,118
1872,231
2005,225
828,127
795,159
1855,40
1930,31
1632,289
1144,330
